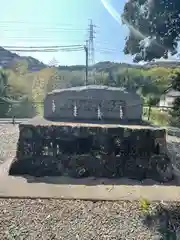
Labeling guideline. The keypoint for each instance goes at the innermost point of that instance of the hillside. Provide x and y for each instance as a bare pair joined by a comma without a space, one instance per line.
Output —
28,80
8,58
165,64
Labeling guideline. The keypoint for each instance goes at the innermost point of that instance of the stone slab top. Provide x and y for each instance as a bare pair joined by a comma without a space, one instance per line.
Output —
89,87
40,121
93,88
18,187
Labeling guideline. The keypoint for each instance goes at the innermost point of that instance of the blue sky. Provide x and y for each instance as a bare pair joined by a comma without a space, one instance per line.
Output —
63,22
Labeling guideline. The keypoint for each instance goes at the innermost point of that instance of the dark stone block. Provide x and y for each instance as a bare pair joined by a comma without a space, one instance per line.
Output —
112,151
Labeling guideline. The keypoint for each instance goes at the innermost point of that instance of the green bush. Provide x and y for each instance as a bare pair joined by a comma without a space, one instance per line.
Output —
23,109
157,116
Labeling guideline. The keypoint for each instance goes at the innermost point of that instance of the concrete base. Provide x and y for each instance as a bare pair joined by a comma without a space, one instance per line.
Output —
16,187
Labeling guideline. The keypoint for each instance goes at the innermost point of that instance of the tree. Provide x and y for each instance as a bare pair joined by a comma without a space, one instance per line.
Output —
154,28
15,95
22,109
4,104
20,67
175,112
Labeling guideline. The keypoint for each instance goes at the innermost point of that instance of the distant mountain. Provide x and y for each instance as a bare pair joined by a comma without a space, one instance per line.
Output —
100,66
114,66
7,59
166,64
111,65
72,68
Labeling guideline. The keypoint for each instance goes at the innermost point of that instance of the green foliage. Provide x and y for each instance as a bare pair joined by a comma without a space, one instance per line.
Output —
152,100
28,89
176,81
4,104
144,205
154,28
157,116
20,67
16,93
23,109
149,83
175,112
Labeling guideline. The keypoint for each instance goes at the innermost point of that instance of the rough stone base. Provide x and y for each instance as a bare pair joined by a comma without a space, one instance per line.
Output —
82,150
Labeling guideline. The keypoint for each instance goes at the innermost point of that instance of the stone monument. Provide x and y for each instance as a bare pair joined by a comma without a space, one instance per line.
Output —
93,103
92,131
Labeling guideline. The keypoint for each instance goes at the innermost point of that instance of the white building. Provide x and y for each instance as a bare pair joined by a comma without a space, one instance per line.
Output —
167,99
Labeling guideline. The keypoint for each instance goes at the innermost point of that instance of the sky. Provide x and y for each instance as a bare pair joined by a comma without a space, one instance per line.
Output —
64,22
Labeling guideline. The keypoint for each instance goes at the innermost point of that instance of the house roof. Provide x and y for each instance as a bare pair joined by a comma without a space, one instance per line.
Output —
173,93
168,89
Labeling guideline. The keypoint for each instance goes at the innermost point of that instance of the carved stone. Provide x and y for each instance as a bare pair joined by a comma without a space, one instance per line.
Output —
93,103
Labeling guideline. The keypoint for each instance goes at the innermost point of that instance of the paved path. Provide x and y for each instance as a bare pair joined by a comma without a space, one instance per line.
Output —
85,189
64,188
20,188
10,120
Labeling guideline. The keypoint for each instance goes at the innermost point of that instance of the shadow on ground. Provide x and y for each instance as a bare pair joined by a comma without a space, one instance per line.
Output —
92,181
164,218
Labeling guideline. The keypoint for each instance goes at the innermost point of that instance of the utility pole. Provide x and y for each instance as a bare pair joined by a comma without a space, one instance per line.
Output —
91,48
91,43
86,52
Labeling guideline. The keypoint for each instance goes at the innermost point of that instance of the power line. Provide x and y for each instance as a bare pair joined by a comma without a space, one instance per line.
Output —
46,30
5,27
47,50
56,48
45,38
70,48
34,47
41,38
108,49
18,28
26,42
48,37
55,39
41,23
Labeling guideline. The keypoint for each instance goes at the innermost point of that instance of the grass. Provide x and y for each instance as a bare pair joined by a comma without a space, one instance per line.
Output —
157,116
39,109
144,205
164,218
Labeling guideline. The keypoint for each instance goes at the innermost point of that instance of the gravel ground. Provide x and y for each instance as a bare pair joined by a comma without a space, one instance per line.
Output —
60,219
9,136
